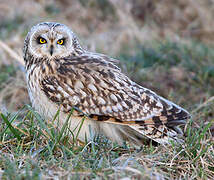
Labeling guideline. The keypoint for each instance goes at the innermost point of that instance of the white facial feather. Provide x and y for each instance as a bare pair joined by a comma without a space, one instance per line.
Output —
51,35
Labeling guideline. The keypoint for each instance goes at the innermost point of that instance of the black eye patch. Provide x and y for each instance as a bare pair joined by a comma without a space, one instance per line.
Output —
41,40
61,41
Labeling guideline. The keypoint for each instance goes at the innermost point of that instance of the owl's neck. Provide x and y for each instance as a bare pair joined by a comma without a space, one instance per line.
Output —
31,60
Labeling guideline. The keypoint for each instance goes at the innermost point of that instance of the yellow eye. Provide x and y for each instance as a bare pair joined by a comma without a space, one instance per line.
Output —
42,40
60,41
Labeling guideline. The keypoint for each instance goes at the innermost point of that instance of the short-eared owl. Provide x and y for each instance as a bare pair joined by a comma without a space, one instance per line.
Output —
62,75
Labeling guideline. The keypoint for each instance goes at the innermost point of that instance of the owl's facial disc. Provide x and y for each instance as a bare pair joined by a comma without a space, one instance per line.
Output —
51,42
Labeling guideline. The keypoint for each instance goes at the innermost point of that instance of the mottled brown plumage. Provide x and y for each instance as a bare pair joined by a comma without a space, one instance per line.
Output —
93,84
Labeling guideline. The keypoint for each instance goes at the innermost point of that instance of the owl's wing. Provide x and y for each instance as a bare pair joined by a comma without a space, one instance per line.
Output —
98,88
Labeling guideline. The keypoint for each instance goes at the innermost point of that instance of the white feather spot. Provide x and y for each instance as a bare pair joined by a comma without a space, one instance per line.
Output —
126,113
125,96
101,101
58,96
60,89
108,109
159,104
155,110
143,96
103,109
146,106
69,89
69,82
85,104
135,108
151,99
120,108
113,97
92,87
74,100
104,85
78,85
51,87
125,105
82,93
97,111
86,111
92,80
115,108
92,111
145,110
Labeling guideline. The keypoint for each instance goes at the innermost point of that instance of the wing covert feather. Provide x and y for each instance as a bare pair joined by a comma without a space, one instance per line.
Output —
98,88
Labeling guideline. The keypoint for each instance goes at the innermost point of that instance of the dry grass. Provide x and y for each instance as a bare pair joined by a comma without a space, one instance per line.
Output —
31,148
179,68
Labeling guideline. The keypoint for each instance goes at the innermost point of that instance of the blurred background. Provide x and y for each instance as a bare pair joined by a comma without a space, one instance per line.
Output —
163,45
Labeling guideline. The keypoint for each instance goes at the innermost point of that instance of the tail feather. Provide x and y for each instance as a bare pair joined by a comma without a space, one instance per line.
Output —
161,134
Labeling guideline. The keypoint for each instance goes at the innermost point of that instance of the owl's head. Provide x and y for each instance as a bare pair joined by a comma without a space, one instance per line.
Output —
51,40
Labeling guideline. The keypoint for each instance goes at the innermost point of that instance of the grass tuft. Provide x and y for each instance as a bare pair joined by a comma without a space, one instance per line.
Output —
31,147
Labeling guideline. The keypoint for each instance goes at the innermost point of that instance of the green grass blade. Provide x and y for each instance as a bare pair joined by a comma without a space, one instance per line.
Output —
15,132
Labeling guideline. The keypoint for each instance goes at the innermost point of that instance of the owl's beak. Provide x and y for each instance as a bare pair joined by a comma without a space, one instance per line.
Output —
51,50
